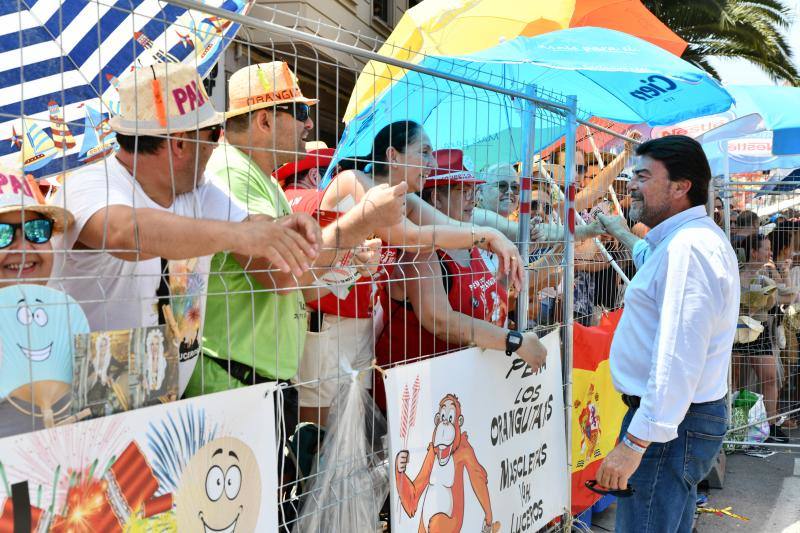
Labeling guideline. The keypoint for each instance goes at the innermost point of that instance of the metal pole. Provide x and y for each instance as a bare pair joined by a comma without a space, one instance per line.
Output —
726,212
568,282
524,231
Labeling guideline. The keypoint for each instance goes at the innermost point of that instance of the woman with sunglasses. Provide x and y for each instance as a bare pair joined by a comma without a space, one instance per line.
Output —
26,225
450,297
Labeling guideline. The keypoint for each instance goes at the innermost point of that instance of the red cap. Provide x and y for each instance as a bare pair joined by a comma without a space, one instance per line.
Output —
314,158
451,168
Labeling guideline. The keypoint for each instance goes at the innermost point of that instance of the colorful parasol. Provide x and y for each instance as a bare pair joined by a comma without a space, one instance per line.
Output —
454,28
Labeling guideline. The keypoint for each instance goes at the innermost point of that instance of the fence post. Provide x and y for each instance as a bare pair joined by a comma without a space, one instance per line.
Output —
568,281
524,232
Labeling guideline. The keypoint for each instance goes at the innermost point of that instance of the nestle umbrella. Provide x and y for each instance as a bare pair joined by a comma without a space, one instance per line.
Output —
613,75
763,132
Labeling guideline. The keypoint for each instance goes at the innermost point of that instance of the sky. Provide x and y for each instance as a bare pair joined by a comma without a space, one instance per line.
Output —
741,72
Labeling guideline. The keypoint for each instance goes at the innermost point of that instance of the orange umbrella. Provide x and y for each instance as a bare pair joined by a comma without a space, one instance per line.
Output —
448,28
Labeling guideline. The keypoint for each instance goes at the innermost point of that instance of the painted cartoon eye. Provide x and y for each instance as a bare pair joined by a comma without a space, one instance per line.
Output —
24,315
40,317
233,482
214,483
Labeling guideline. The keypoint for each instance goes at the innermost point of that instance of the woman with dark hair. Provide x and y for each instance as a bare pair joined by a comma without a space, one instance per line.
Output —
759,280
447,298
784,243
401,153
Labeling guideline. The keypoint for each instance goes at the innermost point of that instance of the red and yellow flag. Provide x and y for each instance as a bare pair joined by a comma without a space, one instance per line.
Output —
597,408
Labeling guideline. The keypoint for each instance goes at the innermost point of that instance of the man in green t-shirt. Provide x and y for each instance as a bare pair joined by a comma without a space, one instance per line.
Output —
255,322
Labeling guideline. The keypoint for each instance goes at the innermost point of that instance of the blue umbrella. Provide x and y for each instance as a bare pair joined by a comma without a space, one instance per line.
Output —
764,132
56,100
613,75
763,108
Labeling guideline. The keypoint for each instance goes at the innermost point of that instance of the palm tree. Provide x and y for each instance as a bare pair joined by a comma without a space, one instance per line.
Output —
742,29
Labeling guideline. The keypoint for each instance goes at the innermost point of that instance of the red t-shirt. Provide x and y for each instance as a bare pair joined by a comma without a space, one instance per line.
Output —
472,290
366,292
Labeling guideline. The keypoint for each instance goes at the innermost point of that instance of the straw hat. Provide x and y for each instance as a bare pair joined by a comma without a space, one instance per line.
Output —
263,85
791,317
21,193
451,168
163,98
748,330
760,296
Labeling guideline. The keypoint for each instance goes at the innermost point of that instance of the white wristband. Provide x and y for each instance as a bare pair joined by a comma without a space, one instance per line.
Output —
632,445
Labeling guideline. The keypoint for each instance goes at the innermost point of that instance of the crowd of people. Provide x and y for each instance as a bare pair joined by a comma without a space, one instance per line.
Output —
406,253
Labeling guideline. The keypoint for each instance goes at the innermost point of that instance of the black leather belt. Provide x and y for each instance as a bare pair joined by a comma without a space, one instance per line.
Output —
631,401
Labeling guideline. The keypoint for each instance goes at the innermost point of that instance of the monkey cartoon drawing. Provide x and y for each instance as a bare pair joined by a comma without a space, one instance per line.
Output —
440,482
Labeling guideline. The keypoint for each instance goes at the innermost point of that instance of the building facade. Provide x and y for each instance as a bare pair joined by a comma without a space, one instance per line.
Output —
324,73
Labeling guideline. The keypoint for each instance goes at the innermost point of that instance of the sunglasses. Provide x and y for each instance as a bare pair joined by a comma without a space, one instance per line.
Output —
619,493
216,132
545,206
37,231
503,186
300,112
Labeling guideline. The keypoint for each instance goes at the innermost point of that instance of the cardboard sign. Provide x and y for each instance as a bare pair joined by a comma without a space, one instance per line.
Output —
182,466
477,442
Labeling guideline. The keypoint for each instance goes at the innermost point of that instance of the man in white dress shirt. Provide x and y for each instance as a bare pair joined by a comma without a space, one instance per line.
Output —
672,348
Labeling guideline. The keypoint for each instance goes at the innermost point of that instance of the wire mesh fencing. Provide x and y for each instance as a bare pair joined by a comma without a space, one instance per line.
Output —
757,211
280,245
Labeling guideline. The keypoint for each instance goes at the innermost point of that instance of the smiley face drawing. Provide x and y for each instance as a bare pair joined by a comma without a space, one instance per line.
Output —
220,489
36,327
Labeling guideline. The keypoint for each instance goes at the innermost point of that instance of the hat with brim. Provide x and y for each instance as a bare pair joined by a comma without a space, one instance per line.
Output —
313,159
18,193
263,85
452,168
748,329
760,296
161,99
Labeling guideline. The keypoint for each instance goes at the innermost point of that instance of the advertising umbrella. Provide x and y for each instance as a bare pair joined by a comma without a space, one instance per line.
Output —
448,28
623,79
55,105
762,132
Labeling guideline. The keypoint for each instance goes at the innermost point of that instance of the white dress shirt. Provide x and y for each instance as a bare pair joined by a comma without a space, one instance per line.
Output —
672,346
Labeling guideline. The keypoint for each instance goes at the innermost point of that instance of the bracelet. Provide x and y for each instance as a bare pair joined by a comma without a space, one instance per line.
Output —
632,445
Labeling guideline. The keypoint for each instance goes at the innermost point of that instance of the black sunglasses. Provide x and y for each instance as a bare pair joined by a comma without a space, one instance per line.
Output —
503,186
546,207
216,132
619,493
37,231
299,111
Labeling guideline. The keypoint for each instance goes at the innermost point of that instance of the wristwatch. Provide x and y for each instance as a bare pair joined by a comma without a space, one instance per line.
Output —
513,341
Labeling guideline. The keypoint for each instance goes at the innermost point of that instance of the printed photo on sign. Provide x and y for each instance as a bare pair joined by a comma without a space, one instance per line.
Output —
154,368
183,466
476,442
101,380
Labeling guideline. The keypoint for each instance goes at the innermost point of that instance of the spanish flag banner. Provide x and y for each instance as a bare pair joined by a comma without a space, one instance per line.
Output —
597,408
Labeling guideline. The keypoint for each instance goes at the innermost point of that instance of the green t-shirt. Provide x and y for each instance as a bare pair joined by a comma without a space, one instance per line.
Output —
257,327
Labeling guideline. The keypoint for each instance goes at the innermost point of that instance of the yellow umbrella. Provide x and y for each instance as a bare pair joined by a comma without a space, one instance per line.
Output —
459,27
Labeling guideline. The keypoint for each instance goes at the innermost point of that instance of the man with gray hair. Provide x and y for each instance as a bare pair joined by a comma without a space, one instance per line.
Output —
500,193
